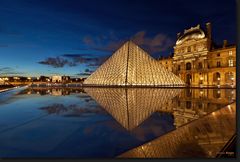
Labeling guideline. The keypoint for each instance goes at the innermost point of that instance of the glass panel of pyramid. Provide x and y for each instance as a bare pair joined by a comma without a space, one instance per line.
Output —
132,66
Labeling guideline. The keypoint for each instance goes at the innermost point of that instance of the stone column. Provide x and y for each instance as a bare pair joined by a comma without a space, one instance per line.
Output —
210,78
222,79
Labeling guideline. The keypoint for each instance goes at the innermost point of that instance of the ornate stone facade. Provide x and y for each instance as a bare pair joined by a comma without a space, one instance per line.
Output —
199,62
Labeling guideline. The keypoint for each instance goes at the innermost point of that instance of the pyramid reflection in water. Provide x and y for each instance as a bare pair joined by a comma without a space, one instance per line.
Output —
130,107
132,66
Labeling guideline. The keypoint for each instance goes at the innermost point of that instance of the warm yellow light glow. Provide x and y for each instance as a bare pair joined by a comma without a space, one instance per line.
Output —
131,66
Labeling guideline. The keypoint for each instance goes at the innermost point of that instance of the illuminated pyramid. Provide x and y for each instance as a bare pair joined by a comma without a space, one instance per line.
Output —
132,66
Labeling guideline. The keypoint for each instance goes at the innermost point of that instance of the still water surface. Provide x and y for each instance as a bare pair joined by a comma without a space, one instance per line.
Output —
96,122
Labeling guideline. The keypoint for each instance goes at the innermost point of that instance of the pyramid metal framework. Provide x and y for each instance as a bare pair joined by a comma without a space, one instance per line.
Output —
132,106
132,66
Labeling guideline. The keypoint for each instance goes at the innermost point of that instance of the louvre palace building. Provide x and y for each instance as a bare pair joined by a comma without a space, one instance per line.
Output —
199,62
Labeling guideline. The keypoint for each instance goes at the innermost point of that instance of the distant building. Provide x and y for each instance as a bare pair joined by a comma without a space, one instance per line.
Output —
2,81
199,62
44,79
66,79
56,78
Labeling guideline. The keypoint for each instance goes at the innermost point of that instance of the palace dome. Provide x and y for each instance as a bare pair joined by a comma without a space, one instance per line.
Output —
193,33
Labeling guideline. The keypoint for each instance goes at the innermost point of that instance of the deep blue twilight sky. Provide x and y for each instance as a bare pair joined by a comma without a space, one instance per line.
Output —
72,37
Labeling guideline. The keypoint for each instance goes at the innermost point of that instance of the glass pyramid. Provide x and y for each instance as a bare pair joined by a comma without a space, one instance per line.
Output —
132,66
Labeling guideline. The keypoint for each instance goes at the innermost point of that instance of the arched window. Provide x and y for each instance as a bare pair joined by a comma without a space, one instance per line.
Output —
188,66
216,77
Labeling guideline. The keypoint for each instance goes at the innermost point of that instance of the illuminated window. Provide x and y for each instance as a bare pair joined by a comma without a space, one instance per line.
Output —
230,53
230,63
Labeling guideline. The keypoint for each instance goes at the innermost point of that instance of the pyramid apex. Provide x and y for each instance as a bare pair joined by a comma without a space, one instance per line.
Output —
129,41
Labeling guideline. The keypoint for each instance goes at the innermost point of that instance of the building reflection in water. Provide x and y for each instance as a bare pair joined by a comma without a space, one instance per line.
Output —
52,91
202,138
194,103
130,107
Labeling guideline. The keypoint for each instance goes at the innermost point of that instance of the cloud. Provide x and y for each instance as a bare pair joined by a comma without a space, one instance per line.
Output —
56,62
74,60
88,59
110,47
89,71
83,73
98,43
86,72
9,71
156,44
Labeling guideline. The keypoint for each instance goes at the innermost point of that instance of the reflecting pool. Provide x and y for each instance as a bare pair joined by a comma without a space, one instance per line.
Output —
97,122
